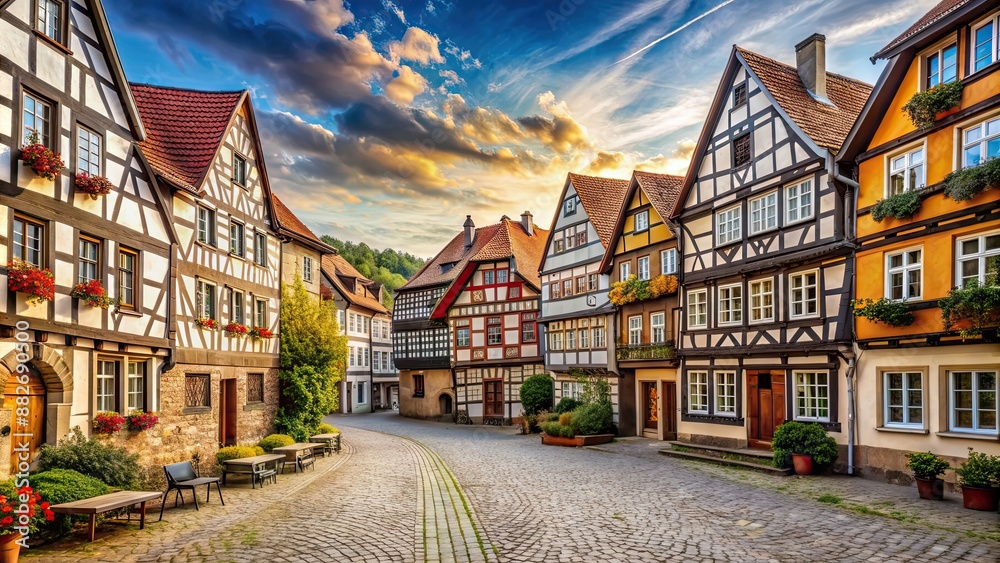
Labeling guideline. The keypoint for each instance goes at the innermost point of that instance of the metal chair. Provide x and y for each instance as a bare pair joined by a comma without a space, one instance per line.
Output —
182,476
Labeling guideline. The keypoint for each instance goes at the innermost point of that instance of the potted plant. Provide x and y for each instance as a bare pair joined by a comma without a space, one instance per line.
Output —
38,284
93,293
13,503
236,329
979,476
108,422
633,289
42,160
207,323
93,186
926,467
803,445
975,306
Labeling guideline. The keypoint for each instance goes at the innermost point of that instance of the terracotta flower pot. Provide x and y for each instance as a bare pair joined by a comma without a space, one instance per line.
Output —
803,464
10,550
976,498
930,489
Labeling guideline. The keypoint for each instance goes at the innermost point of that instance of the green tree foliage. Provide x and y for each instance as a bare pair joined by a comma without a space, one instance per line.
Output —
108,463
536,393
388,267
313,359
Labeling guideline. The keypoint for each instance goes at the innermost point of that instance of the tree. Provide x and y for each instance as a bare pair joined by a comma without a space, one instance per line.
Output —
387,267
536,393
313,359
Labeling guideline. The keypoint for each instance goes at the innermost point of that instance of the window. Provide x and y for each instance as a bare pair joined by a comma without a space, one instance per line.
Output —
136,391
260,313
570,240
237,310
581,238
941,67
260,249
367,357
570,339
658,327
88,153
581,285
984,40
812,396
197,390
494,335
903,396
728,225
584,339
625,270
979,259
49,21
106,372
418,385
567,288
342,321
87,260
255,388
641,221
725,393
668,261
804,300
361,393
528,332
237,239
560,244
29,239
127,262
730,304
635,331
974,401
906,172
904,274
514,292
569,206
462,338
307,269
739,95
981,142
698,392
764,213
761,301
205,300
556,340
798,202
599,337
697,309
555,289
572,389
592,284
206,226
377,361
741,151
239,170
643,268
502,276
37,119
351,357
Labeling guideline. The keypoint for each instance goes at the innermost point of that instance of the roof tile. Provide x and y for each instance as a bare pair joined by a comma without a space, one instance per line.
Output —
935,14
661,189
335,266
288,220
602,200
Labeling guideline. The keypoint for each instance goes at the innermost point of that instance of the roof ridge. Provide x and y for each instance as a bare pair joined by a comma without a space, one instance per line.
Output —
192,90
796,70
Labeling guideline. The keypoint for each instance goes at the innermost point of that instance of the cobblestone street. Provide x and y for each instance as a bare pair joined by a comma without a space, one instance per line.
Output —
411,491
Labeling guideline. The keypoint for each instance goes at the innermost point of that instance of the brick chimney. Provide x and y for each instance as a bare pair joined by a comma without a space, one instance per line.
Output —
526,223
810,58
470,231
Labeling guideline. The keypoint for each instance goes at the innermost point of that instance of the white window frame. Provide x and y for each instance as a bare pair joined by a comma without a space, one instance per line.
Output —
644,215
668,261
106,382
730,304
804,301
905,270
88,151
240,172
729,225
556,341
657,328
938,53
635,330
203,288
570,338
767,209
697,314
812,408
909,165
307,269
598,337
572,389
982,143
135,396
625,270
761,301
497,331
583,339
642,268
697,384
207,226
975,400
795,202
905,389
260,248
569,206
993,19
40,115
237,306
725,392
981,256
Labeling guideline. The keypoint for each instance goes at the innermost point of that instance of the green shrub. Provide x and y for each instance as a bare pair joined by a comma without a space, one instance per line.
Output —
892,313
236,452
272,441
552,428
966,183
593,418
567,404
325,428
977,304
804,438
552,417
924,106
981,470
926,465
900,206
536,393
65,485
566,419
111,465
567,431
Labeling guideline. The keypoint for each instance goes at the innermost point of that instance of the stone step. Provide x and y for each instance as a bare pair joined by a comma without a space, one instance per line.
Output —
764,454
723,461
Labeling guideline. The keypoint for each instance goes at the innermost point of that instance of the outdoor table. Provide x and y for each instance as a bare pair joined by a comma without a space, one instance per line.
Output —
259,467
300,454
105,503
331,441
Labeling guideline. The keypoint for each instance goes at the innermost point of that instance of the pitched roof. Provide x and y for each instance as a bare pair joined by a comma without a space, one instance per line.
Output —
826,125
184,129
936,14
288,222
662,190
335,266
602,199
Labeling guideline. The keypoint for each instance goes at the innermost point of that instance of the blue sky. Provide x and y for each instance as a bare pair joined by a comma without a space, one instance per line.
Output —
387,121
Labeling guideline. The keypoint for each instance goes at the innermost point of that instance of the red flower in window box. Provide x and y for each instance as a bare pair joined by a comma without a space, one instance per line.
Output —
93,185
260,332
107,422
38,284
139,420
93,292
207,322
237,330
41,159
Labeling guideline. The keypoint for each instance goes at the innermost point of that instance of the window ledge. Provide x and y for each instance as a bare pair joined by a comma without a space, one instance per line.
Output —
129,313
254,406
237,255
902,430
52,42
206,245
196,410
969,436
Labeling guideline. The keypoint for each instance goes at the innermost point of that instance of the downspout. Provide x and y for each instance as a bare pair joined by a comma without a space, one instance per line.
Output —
171,360
852,188
850,416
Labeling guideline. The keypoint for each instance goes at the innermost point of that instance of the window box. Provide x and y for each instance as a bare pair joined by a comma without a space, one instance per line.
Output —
892,313
634,289
37,283
207,323
138,420
261,333
924,107
973,309
94,294
108,422
659,351
902,205
967,183
94,186
43,161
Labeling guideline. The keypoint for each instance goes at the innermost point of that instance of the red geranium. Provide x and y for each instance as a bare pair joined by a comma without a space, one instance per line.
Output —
93,185
92,292
236,329
260,332
38,284
138,420
207,322
41,159
36,511
108,422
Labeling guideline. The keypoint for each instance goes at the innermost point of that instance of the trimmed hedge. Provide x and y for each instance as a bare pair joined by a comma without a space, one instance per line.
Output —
272,441
537,393
593,418
325,428
65,485
567,404
236,452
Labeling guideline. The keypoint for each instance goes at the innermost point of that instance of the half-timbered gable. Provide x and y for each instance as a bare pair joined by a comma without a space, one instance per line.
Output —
61,81
767,264
917,377
205,146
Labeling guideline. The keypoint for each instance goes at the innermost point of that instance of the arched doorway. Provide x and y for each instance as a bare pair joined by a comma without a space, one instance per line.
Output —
26,402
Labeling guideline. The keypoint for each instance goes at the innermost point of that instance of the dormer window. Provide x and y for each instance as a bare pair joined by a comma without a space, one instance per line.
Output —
941,67
739,95
569,207
50,19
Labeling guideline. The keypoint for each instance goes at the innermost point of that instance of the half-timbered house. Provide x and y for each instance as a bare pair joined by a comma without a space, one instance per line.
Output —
301,250
575,312
922,385
642,261
62,81
223,380
767,264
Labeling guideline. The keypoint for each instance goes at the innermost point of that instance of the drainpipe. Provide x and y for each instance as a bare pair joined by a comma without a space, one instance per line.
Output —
852,188
850,416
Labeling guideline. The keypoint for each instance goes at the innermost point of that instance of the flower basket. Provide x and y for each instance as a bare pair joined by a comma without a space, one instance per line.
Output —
207,323
633,289
42,160
108,422
138,420
94,186
236,330
38,284
261,333
92,292
924,107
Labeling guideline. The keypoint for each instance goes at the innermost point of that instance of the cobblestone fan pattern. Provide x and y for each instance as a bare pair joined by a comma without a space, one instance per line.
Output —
539,503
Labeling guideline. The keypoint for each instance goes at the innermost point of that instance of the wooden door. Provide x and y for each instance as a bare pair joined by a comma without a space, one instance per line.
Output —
650,406
227,420
493,398
767,406
669,410
27,426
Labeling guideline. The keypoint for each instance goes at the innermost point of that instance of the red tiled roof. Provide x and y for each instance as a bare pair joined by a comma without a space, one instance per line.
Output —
661,189
183,129
288,220
935,14
827,125
335,266
453,253
602,199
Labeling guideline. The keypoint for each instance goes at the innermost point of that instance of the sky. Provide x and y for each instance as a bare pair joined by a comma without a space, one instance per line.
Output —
388,121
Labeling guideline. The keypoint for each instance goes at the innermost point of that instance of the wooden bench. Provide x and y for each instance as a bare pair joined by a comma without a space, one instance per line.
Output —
259,467
106,503
299,454
331,442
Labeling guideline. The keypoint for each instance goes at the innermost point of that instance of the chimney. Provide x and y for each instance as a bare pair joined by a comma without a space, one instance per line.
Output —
470,231
810,58
526,223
